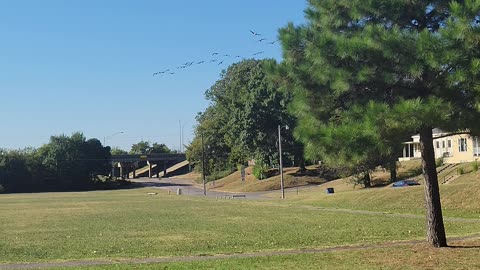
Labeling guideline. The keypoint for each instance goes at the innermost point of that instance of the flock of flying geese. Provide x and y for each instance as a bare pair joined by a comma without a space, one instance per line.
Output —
217,55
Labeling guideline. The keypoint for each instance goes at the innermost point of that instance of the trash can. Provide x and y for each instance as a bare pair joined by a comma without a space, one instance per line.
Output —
179,191
330,190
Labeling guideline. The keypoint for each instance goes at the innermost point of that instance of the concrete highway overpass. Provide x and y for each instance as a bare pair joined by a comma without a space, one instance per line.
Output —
129,165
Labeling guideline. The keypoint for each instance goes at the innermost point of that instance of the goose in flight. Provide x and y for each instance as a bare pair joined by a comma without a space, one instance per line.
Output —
161,72
255,33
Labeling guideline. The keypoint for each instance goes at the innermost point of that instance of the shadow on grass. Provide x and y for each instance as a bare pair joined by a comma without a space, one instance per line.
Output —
156,184
464,247
321,171
410,173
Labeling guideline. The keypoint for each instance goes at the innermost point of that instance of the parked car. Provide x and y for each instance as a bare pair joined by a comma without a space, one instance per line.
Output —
405,183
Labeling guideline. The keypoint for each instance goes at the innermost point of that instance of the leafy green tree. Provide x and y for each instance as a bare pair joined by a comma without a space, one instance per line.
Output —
97,158
158,148
418,60
18,171
65,163
144,147
253,108
74,162
241,123
140,148
211,126
118,151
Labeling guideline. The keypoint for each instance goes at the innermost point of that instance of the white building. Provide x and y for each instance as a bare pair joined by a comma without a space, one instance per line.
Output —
452,147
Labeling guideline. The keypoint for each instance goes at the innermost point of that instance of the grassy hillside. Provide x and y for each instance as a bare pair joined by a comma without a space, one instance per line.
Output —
459,196
313,175
233,181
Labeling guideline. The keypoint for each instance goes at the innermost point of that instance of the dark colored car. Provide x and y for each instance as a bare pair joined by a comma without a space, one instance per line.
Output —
405,183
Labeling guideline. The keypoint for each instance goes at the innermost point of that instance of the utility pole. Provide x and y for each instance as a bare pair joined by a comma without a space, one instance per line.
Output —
181,137
282,187
203,167
180,126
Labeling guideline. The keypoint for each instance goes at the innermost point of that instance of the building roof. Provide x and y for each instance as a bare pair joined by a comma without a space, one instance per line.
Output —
437,131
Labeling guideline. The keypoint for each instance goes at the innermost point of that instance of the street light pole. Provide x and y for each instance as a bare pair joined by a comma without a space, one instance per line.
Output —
203,167
104,142
282,187
181,136
110,136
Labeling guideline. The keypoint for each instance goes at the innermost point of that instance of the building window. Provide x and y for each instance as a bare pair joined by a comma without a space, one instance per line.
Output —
462,145
443,144
438,144
449,143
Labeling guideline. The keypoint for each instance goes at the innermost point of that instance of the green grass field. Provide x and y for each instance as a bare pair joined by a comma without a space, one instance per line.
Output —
400,258
53,227
460,197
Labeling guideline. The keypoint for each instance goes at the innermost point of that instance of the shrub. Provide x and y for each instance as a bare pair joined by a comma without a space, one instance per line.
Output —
461,171
439,162
219,174
475,166
260,169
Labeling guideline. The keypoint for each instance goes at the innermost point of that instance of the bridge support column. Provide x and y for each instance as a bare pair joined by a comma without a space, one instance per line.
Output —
113,170
121,170
128,171
134,172
149,169
164,168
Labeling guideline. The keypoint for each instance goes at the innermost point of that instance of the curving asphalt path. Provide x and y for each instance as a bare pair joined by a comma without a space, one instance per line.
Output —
189,187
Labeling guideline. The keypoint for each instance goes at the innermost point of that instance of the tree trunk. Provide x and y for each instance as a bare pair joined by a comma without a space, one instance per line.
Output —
393,171
435,228
367,180
301,164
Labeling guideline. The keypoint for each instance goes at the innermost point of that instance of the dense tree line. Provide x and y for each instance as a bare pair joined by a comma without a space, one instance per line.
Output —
65,163
241,122
143,148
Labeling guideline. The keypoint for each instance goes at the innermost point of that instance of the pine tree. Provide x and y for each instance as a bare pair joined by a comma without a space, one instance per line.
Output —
418,60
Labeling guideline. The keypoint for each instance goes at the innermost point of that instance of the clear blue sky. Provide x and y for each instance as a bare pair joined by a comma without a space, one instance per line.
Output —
87,65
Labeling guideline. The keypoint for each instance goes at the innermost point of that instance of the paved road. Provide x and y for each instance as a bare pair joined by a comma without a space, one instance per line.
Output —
189,187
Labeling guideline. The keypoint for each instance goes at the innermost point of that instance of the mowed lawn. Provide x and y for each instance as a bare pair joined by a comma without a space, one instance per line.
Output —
463,256
131,224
